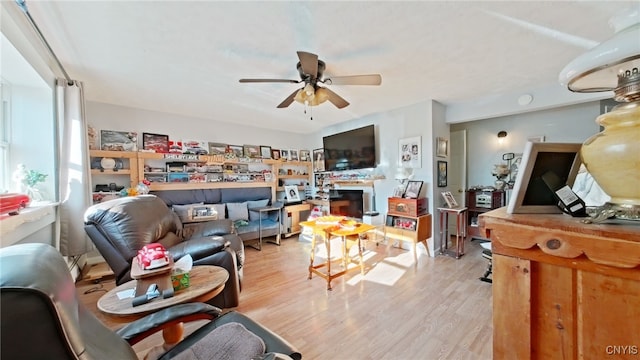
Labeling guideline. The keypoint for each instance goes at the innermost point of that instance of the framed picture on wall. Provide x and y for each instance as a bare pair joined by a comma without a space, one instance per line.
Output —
156,142
275,154
284,154
291,193
118,140
293,155
442,173
442,147
410,152
305,155
217,148
265,152
236,150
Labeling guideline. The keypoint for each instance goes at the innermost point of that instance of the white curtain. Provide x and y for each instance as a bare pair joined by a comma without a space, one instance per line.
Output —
73,162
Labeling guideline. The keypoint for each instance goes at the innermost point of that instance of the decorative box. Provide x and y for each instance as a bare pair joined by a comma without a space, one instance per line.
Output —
407,207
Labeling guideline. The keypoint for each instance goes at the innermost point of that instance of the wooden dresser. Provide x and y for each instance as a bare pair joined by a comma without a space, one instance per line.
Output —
563,289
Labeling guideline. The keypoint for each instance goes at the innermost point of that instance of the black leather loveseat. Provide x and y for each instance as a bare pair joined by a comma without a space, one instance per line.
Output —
121,227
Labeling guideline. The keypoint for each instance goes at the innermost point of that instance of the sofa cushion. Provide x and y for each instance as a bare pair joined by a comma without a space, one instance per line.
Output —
183,211
221,209
238,211
229,341
255,215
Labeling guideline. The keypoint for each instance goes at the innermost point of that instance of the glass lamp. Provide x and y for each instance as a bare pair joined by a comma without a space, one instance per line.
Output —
612,156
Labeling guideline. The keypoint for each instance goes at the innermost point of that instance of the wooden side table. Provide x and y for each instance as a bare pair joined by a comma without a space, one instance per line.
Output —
461,230
205,283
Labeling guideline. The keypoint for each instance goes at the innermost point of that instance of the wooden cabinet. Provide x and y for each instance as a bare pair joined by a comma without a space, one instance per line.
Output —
292,216
409,228
122,172
480,201
563,289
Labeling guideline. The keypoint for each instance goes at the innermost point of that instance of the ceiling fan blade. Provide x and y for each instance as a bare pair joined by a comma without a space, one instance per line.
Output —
336,99
269,81
309,63
372,79
288,100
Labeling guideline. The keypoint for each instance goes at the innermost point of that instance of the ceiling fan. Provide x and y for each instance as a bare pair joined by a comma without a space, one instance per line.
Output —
311,74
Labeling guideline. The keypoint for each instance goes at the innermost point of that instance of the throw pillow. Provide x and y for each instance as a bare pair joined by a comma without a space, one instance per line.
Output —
238,211
220,209
255,215
230,341
183,211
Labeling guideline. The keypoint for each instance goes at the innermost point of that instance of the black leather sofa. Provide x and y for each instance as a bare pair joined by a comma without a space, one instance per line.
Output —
121,227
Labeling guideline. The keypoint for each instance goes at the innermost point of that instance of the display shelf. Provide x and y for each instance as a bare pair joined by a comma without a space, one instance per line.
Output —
127,176
208,185
480,201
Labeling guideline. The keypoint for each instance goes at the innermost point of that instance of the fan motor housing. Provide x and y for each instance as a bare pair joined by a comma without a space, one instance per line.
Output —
303,76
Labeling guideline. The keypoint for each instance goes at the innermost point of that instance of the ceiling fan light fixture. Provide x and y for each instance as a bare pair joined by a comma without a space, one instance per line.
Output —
317,96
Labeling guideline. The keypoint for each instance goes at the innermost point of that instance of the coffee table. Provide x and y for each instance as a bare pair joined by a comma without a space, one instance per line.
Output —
205,283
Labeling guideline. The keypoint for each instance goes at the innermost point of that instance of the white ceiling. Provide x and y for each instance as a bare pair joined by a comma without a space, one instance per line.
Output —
186,57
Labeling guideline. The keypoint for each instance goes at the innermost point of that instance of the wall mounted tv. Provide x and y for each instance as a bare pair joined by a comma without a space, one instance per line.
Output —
349,150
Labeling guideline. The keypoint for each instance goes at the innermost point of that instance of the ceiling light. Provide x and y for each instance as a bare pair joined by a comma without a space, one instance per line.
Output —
317,96
502,134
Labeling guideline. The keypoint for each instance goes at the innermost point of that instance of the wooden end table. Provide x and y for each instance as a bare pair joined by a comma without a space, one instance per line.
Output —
205,283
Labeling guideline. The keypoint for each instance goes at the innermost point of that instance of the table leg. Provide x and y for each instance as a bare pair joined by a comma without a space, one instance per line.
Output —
172,335
312,253
441,223
360,245
327,241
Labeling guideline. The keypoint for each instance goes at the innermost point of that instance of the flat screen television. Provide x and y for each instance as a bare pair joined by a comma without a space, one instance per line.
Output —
349,150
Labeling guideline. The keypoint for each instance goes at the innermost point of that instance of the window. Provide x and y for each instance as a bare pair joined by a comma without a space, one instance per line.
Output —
5,110
27,128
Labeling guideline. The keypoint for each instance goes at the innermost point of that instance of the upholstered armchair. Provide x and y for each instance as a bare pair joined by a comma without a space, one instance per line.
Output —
42,318
121,227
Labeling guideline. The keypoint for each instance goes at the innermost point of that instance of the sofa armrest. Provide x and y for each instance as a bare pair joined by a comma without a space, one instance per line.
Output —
211,228
199,248
138,330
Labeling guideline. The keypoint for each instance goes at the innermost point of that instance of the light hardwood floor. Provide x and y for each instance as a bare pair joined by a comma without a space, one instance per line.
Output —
433,309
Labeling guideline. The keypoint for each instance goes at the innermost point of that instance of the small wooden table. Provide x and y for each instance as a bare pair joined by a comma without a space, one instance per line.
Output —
205,283
326,231
461,230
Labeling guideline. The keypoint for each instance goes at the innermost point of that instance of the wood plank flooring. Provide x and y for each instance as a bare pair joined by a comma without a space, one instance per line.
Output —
433,309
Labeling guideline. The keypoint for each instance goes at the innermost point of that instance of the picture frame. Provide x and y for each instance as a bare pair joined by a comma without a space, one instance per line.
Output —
251,151
118,140
410,152
217,148
275,154
236,150
442,173
449,199
318,160
284,154
530,194
195,147
291,193
265,152
399,191
293,155
305,155
413,189
158,143
442,147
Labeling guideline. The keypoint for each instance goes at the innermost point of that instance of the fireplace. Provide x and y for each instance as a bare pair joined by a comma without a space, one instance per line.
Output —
346,203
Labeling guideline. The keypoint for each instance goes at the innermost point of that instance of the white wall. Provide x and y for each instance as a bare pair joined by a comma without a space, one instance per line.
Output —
113,117
565,124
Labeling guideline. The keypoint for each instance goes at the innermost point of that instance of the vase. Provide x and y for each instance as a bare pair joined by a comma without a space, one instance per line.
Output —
34,193
611,157
499,184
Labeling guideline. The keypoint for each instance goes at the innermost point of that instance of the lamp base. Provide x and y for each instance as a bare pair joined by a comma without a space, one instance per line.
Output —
614,211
